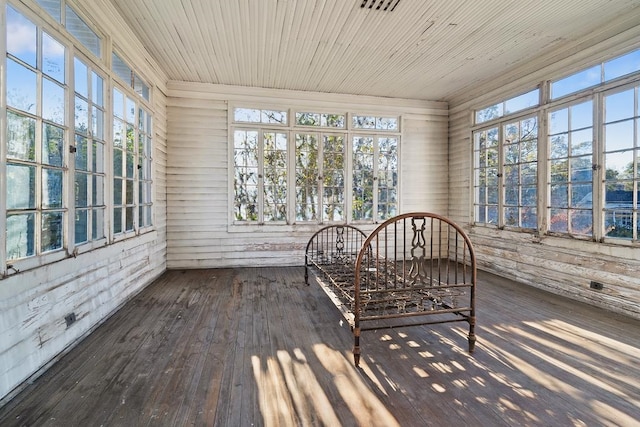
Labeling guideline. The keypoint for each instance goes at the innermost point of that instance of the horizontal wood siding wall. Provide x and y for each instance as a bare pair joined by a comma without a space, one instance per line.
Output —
34,303
565,266
199,232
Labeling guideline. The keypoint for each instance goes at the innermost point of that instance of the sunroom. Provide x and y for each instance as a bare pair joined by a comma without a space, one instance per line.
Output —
188,150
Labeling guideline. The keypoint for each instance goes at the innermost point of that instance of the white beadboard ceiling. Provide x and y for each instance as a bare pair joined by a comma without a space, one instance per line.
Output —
420,49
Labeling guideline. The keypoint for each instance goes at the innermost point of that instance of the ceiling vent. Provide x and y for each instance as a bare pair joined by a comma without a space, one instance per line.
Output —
383,5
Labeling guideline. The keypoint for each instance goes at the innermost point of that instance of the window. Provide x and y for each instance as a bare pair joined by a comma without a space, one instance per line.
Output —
570,169
506,174
56,144
89,149
129,77
508,106
375,177
132,148
320,184
593,76
621,157
590,152
302,172
36,111
486,175
260,177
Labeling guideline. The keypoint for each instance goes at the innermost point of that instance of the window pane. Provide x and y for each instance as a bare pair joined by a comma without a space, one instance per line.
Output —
81,226
51,188
81,116
97,93
619,136
575,82
21,137
82,190
275,176
53,59
362,204
272,116
621,66
21,37
249,115
21,87
581,115
20,236
82,153
129,189
52,7
521,102
81,85
97,223
333,120
97,123
308,119
81,31
51,231
117,220
121,69
52,145
97,157
53,106
333,178
364,122
618,223
21,187
619,106
97,190
140,87
307,174
246,175
489,113
117,192
129,219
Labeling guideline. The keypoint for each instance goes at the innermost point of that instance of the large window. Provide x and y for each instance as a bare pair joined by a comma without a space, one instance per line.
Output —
300,173
589,155
57,143
35,160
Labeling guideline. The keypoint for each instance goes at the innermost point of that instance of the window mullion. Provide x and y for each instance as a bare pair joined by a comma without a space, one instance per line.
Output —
599,172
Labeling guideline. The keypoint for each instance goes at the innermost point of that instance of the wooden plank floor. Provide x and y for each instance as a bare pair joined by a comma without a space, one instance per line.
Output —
252,347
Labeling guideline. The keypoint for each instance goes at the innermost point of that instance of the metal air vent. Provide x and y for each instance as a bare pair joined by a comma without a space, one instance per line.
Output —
383,5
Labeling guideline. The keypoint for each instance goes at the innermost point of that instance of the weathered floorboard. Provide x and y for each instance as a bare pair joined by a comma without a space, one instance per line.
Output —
256,346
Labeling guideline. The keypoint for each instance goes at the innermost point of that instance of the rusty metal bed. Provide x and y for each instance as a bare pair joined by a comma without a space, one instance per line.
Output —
417,268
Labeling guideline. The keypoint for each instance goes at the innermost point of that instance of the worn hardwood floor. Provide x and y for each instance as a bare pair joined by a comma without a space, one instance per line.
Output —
252,347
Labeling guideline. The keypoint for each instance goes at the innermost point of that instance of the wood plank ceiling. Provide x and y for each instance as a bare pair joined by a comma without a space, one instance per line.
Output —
421,49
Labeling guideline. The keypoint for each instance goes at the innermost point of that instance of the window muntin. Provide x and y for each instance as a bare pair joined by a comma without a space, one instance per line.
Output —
621,156
571,169
35,139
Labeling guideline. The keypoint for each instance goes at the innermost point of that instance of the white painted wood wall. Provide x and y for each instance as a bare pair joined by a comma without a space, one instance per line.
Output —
198,228
93,285
561,265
